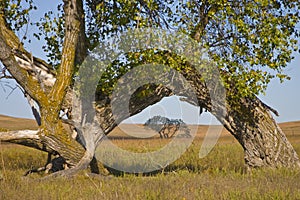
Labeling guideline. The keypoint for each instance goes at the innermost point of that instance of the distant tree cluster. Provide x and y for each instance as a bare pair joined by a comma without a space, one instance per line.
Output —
167,128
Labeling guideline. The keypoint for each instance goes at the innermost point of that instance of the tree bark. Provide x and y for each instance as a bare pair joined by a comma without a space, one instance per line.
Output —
263,141
45,87
248,119
53,133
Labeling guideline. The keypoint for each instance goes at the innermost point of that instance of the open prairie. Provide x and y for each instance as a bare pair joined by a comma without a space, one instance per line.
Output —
219,175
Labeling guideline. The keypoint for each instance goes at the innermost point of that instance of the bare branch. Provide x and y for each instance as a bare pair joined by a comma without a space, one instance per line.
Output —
17,135
6,77
12,89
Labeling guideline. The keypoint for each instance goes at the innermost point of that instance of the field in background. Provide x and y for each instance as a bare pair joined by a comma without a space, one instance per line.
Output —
11,123
220,175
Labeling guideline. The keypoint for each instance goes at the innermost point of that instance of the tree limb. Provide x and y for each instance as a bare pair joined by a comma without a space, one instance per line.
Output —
72,9
9,45
17,135
29,138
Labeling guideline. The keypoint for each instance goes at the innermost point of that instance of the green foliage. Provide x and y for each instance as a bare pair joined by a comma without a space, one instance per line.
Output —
107,18
113,72
16,13
51,28
250,41
253,41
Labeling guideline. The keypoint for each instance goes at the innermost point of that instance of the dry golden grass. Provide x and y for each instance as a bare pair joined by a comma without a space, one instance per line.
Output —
220,175
11,123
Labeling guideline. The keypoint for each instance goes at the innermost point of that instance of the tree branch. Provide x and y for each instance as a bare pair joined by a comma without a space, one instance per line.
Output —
17,135
72,9
29,138
10,47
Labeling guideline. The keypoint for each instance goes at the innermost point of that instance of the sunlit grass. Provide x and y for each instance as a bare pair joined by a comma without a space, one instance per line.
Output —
220,175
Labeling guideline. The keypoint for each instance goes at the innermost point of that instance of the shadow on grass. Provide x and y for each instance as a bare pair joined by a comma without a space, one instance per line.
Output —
167,170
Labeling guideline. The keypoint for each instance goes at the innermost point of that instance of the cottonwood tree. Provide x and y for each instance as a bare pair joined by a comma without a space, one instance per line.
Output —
251,42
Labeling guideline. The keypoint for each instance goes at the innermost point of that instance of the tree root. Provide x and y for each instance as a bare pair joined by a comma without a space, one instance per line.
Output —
52,166
58,167
81,165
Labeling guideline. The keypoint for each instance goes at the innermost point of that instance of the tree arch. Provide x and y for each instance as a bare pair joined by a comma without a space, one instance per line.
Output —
223,27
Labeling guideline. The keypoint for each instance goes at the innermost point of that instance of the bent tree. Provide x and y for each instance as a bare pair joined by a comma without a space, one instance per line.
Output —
251,42
167,128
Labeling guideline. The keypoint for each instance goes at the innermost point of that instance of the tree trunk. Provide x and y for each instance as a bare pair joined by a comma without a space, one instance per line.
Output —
263,141
249,120
44,86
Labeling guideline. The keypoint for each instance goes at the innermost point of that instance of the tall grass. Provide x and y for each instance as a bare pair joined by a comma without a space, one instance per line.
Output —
220,175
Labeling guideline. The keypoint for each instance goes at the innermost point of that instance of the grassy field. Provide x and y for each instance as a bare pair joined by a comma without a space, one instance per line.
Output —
220,175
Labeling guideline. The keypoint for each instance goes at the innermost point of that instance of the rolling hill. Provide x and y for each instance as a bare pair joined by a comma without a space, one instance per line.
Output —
12,123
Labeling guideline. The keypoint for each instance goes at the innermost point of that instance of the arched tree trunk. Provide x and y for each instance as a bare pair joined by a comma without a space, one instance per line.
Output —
248,119
263,141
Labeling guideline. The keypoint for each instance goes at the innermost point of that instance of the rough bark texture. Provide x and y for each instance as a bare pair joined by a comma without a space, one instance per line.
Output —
264,143
53,133
45,87
249,120
23,137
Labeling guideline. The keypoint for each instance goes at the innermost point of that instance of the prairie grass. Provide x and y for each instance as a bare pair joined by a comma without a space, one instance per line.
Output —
220,175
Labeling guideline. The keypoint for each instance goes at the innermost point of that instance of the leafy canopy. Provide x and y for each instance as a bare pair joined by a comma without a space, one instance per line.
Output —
251,41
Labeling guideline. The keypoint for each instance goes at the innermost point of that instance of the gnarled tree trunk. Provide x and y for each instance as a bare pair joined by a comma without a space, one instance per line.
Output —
263,141
249,119
43,85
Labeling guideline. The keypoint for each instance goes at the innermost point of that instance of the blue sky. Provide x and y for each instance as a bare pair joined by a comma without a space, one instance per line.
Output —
284,97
